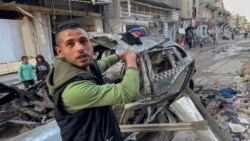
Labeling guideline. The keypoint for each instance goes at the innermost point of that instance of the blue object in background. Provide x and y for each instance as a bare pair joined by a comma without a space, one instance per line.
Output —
226,92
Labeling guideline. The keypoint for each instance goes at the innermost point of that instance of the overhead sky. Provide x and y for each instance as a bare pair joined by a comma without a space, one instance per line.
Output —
238,6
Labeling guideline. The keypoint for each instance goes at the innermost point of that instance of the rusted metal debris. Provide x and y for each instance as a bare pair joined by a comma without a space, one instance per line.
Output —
32,106
199,125
23,122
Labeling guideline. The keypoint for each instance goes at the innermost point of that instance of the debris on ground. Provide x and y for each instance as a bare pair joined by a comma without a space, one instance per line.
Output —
24,108
246,68
226,92
237,128
230,105
185,135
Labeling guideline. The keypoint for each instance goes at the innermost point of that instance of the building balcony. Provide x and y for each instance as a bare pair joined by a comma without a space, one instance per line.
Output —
209,4
202,20
227,13
221,20
173,4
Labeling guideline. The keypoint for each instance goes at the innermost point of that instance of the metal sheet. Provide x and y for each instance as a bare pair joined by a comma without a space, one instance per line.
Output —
186,111
48,132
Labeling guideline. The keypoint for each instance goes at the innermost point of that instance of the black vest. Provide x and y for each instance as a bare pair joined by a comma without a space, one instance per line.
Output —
91,124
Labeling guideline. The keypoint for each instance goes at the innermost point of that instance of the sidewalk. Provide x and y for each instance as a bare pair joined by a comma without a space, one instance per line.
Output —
9,79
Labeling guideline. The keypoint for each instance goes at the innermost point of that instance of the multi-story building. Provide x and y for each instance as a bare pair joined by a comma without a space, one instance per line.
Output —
210,14
220,17
186,13
124,15
241,24
233,22
247,26
28,27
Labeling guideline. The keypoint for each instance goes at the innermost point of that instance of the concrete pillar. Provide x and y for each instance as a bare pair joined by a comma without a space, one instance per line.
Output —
42,35
28,38
112,22
98,25
91,24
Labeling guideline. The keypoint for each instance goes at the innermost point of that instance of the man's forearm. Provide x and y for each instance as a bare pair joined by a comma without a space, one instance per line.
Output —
107,62
85,94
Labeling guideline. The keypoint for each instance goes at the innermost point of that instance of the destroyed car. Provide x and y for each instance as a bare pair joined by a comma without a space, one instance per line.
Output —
165,67
165,71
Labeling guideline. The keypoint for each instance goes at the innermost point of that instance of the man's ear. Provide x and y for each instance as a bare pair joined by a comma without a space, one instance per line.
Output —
59,51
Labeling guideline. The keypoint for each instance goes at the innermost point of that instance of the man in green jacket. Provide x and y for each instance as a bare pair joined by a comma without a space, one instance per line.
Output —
25,72
82,100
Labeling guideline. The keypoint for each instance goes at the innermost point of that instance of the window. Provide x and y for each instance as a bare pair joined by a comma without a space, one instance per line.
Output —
163,60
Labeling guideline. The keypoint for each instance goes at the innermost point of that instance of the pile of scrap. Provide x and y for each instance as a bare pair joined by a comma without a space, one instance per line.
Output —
230,107
32,106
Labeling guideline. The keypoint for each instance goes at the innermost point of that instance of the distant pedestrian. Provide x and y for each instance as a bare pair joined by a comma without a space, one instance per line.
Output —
189,40
25,72
181,41
42,68
245,35
232,36
200,42
214,38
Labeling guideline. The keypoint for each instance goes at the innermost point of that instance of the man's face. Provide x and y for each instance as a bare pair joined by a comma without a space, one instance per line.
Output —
75,47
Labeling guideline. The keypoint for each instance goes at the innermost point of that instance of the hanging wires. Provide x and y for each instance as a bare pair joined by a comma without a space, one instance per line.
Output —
54,15
70,10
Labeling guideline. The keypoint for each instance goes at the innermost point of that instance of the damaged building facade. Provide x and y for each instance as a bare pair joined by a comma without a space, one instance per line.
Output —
211,16
239,24
28,27
123,15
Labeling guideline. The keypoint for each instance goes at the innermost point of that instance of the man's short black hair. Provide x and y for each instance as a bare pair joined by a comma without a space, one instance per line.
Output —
67,25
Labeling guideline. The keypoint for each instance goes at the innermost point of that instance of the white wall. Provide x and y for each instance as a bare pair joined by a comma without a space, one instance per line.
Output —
98,25
43,35
29,37
186,8
11,43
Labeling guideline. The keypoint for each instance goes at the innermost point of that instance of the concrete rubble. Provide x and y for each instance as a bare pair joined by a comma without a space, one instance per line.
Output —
25,109
231,113
230,105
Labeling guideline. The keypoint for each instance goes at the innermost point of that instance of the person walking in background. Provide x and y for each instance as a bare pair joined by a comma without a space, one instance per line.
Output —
200,42
232,36
25,72
245,35
214,38
42,68
189,40
181,41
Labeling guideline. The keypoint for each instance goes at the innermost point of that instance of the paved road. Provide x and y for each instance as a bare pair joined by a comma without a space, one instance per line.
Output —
218,64
9,79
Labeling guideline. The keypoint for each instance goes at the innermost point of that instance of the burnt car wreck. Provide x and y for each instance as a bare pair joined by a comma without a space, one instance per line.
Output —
166,103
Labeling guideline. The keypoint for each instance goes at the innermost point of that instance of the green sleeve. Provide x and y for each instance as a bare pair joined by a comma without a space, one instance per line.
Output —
107,62
20,73
86,94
